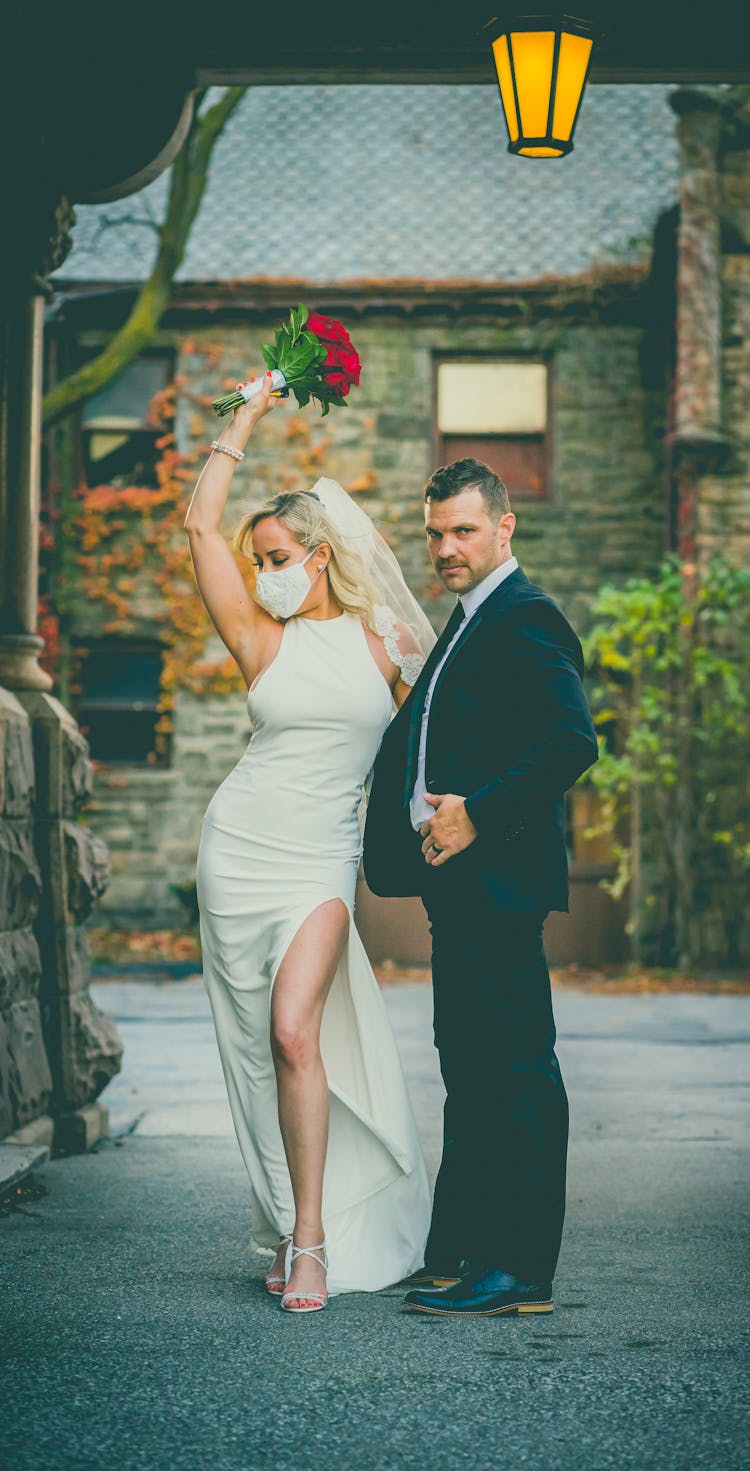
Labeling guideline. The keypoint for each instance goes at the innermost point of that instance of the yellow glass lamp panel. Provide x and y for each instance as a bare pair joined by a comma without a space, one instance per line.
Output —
533,54
571,74
505,78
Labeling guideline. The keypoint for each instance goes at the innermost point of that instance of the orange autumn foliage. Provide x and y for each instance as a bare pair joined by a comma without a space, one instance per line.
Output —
131,551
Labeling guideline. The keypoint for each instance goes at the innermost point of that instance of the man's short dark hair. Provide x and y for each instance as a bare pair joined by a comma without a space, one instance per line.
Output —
450,480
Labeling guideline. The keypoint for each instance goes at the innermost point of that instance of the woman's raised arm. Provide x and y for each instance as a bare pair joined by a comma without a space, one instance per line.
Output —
238,620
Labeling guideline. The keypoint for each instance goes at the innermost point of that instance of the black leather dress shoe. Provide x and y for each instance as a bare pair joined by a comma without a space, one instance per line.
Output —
487,1293
439,1277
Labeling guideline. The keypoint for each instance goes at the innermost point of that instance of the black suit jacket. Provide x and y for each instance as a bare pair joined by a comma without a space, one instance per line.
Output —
510,730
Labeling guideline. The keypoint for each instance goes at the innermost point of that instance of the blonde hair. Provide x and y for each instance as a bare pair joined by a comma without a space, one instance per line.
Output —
305,516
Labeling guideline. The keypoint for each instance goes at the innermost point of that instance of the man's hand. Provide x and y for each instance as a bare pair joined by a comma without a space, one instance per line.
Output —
449,831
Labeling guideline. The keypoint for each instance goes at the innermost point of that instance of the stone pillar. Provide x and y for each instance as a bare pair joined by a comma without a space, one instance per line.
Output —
25,1079
710,482
19,494
57,1051
82,1044
698,446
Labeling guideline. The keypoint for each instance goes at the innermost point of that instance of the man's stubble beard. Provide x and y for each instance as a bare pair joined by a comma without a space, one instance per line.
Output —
475,576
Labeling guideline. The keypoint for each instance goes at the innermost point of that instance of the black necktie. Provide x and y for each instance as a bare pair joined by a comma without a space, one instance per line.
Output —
420,692
457,616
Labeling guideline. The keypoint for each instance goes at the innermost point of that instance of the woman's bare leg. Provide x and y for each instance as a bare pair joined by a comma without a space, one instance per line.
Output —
299,995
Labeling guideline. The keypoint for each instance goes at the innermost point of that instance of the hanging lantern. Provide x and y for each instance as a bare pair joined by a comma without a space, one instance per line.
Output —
542,64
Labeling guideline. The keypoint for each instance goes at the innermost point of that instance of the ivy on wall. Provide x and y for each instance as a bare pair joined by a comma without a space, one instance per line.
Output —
128,556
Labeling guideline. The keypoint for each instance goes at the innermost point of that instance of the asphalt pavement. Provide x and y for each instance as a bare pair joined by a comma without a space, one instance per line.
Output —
136,1332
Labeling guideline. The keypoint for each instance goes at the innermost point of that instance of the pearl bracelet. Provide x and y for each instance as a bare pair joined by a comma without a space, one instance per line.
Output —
228,449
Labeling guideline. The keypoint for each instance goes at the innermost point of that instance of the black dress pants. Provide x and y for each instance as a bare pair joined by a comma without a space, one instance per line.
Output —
500,1193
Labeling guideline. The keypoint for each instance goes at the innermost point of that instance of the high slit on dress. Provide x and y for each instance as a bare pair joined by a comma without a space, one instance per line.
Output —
280,838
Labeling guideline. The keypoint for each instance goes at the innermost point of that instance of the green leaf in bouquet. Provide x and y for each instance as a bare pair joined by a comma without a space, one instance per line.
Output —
297,319
270,357
306,383
318,352
306,344
296,362
301,394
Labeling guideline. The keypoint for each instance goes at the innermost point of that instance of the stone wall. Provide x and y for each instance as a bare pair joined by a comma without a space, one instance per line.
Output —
82,1044
605,518
25,1078
606,513
151,817
57,1050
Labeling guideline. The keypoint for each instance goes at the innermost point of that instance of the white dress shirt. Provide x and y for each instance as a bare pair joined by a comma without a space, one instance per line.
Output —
470,601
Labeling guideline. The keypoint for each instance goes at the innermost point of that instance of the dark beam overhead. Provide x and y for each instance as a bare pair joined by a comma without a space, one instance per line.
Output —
105,104
643,41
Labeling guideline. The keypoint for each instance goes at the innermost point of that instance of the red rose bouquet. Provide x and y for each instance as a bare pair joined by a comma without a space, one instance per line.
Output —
312,355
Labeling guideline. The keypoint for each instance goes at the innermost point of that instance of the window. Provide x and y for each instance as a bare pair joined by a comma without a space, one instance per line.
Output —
119,444
496,410
118,685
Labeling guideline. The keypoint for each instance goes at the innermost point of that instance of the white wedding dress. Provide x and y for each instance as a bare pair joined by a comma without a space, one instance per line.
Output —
280,837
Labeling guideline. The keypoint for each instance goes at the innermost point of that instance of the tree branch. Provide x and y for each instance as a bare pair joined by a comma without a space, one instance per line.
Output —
186,189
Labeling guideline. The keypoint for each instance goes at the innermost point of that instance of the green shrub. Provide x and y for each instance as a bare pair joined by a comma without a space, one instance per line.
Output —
670,661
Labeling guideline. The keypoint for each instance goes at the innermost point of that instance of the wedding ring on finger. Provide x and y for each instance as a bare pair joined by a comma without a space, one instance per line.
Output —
435,848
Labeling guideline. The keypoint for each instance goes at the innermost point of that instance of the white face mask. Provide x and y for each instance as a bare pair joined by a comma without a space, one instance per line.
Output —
284,591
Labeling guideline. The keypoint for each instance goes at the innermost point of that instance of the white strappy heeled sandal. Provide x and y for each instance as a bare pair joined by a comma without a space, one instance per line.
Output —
317,1300
275,1285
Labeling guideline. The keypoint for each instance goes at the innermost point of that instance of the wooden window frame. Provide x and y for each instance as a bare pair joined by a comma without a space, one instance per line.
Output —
522,360
162,351
162,748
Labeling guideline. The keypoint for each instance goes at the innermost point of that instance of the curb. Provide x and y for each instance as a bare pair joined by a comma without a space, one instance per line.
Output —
18,1160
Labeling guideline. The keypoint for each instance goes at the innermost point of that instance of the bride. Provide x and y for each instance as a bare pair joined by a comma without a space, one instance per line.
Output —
331,640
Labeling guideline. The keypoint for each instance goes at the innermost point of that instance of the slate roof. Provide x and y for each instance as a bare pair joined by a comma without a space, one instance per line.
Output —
340,183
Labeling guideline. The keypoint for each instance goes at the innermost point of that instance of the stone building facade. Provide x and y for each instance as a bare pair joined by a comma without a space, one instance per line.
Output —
470,218
601,515
642,435
432,265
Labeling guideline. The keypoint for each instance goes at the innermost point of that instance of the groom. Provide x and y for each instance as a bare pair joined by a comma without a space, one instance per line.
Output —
466,810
